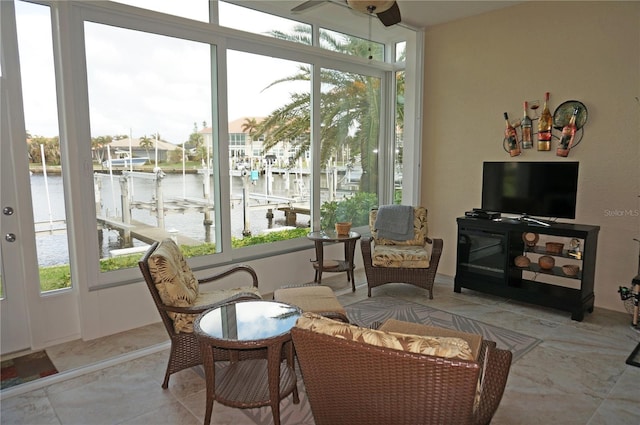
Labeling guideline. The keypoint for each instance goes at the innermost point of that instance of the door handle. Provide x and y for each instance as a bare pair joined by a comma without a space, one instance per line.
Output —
7,211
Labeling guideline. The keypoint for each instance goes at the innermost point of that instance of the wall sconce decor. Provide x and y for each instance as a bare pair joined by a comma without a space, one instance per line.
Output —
569,137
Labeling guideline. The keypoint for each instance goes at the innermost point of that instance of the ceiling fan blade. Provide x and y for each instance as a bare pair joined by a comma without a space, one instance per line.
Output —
307,5
390,16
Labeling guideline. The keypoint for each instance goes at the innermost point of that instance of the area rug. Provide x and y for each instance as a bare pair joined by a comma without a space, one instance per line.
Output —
379,309
364,313
26,368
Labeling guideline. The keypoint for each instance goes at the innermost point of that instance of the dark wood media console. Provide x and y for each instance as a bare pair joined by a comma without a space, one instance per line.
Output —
486,255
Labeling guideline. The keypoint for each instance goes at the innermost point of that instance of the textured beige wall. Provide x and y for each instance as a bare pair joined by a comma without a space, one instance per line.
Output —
480,67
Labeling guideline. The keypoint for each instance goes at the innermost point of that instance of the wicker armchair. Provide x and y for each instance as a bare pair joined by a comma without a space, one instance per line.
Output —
352,382
175,292
388,261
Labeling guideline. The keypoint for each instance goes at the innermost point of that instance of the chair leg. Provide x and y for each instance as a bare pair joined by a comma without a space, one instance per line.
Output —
167,374
290,356
165,383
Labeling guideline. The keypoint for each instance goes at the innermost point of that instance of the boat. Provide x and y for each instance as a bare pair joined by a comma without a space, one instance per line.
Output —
124,160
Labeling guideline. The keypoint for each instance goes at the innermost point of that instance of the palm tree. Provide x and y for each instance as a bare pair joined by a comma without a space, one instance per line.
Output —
146,143
34,149
97,146
350,108
249,126
196,142
51,149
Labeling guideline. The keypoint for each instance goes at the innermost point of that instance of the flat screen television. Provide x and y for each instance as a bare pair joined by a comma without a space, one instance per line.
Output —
542,189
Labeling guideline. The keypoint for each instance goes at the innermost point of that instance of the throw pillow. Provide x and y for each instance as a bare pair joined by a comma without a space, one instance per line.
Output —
176,283
447,347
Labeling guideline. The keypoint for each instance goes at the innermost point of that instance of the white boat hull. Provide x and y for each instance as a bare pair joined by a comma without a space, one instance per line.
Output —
124,162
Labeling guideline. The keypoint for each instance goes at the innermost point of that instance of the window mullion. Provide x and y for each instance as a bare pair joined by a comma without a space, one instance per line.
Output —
316,81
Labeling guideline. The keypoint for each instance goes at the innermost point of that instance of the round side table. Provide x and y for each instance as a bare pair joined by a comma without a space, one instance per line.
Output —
321,265
260,326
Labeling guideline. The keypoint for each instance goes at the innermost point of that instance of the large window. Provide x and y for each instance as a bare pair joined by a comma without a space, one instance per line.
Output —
398,148
245,19
221,137
192,9
149,95
351,45
350,132
268,104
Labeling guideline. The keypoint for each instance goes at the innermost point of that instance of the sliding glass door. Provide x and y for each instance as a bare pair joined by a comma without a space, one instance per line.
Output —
35,257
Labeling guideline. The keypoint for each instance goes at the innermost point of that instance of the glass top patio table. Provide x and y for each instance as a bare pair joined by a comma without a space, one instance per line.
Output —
261,328
249,320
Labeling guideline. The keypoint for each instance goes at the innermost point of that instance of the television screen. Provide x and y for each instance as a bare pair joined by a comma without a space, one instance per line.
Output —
543,189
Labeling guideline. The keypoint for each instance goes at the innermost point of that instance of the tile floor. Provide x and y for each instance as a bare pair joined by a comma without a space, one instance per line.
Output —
577,375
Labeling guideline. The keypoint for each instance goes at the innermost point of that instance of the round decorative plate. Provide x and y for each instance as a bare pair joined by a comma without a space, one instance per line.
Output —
530,239
562,114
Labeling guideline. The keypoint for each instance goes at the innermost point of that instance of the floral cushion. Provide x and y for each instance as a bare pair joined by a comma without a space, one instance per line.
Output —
420,229
178,286
176,283
402,256
448,347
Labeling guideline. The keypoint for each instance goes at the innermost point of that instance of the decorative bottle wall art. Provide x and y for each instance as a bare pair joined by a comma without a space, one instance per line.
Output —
567,128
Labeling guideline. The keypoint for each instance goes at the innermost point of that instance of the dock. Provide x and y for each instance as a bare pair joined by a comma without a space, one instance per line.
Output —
51,227
291,213
270,198
159,206
175,205
145,232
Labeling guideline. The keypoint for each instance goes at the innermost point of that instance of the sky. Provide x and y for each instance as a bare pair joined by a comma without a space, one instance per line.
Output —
141,83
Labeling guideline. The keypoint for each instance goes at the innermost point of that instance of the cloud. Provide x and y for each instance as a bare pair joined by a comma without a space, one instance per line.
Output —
145,83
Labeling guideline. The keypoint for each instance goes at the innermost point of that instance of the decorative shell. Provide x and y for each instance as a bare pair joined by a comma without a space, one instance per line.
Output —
530,239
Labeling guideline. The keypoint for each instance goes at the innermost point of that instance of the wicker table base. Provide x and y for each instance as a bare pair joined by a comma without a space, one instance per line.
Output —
245,384
257,336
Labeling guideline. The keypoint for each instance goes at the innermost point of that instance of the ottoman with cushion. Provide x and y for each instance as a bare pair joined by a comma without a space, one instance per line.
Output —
313,299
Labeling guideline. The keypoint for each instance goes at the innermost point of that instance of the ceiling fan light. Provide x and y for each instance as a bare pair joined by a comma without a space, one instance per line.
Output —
364,6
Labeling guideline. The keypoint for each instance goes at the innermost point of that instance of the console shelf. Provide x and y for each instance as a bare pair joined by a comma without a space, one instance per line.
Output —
485,263
556,271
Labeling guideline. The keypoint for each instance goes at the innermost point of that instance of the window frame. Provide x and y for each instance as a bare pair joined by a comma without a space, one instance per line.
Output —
74,124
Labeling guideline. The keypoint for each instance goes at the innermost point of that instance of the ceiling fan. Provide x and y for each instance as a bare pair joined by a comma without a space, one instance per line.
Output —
387,11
